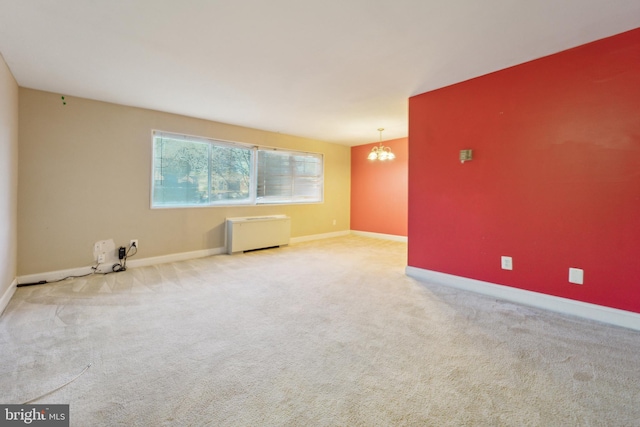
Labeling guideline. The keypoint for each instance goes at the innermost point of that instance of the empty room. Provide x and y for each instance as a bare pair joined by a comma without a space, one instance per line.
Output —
289,213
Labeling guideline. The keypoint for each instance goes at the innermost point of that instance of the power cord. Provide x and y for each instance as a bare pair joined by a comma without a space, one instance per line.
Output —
42,282
63,385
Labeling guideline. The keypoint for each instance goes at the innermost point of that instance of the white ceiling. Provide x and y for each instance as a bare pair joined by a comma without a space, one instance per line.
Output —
334,70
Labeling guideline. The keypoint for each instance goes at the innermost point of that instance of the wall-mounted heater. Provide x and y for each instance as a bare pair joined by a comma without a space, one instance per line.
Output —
257,232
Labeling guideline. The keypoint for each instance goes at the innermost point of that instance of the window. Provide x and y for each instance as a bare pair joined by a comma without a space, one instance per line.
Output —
192,171
286,176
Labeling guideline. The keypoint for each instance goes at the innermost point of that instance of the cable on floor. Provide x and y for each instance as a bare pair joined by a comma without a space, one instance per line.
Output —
63,385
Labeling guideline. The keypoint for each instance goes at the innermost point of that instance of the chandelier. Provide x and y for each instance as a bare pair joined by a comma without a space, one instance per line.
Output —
381,152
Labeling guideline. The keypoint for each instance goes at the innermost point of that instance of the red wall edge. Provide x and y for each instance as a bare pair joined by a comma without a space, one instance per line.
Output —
379,190
554,181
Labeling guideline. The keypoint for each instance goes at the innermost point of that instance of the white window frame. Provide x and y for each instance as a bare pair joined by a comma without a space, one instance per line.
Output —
252,200
296,197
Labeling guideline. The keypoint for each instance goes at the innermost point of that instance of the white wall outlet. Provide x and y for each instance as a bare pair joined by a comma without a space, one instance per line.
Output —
576,275
101,258
134,242
506,262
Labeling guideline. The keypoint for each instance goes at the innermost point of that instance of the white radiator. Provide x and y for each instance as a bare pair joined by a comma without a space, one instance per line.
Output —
257,232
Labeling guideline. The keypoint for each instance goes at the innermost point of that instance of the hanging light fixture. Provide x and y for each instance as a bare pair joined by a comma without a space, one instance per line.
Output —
381,152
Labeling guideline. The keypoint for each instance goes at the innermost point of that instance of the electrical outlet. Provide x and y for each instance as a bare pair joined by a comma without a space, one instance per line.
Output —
507,263
134,242
101,258
576,275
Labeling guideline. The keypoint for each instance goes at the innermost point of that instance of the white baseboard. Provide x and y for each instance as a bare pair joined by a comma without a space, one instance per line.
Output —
52,276
311,237
8,294
613,316
393,237
182,256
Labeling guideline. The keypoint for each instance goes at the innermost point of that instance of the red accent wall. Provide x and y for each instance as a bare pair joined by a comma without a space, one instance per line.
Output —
379,190
555,178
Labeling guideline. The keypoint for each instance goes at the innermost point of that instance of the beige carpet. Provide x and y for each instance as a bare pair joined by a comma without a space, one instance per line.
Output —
324,333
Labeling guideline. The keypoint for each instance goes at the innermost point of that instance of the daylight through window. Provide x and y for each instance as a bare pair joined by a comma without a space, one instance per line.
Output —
192,171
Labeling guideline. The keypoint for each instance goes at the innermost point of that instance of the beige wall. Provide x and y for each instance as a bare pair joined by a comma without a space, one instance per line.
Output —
85,173
8,177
